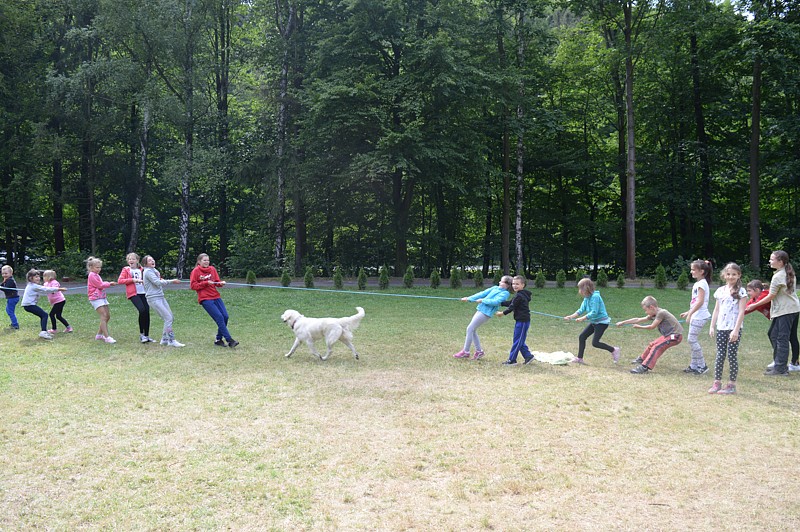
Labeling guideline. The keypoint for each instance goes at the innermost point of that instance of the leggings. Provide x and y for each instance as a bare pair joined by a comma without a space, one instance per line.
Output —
55,313
730,349
216,309
140,302
37,311
161,307
597,329
698,361
472,331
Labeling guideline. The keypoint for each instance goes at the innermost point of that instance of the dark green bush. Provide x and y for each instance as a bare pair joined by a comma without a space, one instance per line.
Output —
308,278
362,279
435,279
408,278
561,278
540,281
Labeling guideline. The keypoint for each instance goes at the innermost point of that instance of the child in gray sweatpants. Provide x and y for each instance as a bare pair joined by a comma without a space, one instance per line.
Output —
154,292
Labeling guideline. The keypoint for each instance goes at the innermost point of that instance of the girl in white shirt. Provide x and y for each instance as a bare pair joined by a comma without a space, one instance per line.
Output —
698,314
731,299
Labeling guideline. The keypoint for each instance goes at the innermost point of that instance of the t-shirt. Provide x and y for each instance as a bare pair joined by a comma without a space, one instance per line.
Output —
669,324
728,307
136,274
785,301
702,313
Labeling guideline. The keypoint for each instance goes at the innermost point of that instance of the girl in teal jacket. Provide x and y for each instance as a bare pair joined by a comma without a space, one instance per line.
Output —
488,303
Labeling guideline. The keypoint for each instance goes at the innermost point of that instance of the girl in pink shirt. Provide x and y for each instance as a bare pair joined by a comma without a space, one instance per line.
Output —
57,302
96,288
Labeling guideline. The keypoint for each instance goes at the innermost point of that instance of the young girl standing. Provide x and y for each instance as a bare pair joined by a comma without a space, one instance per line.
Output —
205,280
132,277
57,302
783,310
698,314
30,298
488,302
592,310
731,299
96,289
756,292
154,292
9,287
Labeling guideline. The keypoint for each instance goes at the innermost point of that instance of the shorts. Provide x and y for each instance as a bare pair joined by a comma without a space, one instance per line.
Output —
97,303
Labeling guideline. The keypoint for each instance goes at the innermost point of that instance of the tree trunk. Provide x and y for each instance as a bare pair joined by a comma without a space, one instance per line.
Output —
520,145
223,51
630,170
138,194
755,137
702,146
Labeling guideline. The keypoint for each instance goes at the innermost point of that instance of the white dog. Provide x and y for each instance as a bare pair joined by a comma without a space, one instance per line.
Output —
331,329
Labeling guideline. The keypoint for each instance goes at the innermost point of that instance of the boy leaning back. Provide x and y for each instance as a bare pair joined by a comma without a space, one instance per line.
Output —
671,333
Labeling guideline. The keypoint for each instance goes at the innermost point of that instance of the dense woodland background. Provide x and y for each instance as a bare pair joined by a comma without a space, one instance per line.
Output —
484,134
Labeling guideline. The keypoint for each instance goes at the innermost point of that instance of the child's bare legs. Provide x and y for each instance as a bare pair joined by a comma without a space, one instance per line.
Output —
105,316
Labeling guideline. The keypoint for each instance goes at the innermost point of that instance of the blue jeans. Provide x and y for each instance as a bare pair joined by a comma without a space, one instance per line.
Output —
216,309
11,303
520,335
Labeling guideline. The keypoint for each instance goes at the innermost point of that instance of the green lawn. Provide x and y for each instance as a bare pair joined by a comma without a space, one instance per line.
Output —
149,437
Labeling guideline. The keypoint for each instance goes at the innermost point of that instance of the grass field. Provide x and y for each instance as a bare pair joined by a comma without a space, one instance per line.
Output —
133,436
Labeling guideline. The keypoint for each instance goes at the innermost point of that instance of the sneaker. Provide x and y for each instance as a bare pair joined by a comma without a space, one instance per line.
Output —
15,327
461,354
99,337
478,355
529,360
640,369
175,343
508,362
110,340
220,342
715,387
52,331
144,339
233,343
46,335
689,369
794,367
150,339
701,371
637,360
164,341
775,373
577,360
615,355
69,329
771,365
729,389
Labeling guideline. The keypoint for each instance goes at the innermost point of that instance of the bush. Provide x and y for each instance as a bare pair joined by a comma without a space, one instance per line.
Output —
308,278
69,264
408,278
540,280
338,282
435,279
250,278
478,279
580,273
383,278
561,278
455,278
602,279
497,276
661,277
286,280
362,279
621,280
683,281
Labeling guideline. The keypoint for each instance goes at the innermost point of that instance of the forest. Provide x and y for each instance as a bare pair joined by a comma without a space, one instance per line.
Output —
511,135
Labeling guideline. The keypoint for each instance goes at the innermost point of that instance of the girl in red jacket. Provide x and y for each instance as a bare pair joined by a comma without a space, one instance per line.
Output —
132,277
205,280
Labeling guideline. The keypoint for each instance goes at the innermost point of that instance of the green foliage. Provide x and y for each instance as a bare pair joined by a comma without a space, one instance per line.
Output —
602,278
70,264
478,278
435,279
580,273
338,282
362,279
621,280
683,281
383,278
661,277
455,278
250,278
561,278
541,280
496,277
286,279
308,278
408,278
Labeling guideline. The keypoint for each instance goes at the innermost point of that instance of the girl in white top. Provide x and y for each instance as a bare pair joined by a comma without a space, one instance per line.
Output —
697,315
731,299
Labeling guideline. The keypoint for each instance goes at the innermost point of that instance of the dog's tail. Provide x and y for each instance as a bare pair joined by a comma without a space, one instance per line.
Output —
352,322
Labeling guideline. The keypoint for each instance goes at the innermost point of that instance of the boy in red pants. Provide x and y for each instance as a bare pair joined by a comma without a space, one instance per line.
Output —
671,333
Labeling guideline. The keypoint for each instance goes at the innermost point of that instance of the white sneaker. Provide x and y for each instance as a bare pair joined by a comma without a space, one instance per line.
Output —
110,340
794,367
46,335
164,341
771,365
143,339
175,343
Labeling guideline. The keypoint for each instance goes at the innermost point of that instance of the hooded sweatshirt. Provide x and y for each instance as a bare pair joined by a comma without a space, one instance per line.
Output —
200,281
520,306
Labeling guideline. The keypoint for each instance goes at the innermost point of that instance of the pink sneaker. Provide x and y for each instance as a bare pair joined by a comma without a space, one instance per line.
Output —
715,387
110,340
478,355
52,331
69,329
577,360
461,354
615,355
99,337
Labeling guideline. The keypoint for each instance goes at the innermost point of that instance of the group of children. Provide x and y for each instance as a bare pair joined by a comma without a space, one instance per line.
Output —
143,288
779,303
